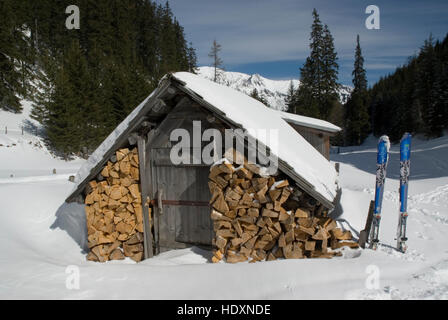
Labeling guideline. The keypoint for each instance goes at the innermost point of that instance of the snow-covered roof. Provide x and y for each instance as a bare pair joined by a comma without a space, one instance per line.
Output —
300,158
309,122
304,159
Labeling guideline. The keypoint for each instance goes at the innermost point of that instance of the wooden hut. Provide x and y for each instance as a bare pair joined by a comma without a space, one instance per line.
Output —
317,132
137,198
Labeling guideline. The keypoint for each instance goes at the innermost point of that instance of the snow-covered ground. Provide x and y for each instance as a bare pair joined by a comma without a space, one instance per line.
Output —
423,271
40,239
24,155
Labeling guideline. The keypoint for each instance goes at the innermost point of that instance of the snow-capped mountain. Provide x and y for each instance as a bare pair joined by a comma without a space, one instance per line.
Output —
274,91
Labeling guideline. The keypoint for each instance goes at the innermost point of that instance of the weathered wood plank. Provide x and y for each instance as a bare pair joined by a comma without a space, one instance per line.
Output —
150,175
147,233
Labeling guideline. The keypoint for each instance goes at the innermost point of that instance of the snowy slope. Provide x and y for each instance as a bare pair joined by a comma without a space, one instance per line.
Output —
274,91
23,155
37,247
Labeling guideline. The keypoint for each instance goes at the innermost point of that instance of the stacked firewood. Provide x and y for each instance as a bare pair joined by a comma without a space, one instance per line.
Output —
114,210
265,218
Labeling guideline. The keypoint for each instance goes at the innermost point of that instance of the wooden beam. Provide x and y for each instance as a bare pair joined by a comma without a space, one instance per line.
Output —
327,147
132,139
151,183
169,94
315,131
364,234
159,106
147,233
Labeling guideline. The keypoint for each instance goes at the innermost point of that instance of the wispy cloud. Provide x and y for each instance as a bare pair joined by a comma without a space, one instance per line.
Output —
379,66
267,31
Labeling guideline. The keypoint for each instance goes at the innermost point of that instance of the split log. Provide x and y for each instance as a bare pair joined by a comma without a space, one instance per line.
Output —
117,255
113,210
310,245
257,218
341,235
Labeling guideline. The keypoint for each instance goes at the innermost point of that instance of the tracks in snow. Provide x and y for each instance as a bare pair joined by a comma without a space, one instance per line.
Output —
436,198
439,194
35,179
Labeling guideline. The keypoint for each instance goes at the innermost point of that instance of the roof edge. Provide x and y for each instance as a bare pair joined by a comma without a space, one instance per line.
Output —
289,117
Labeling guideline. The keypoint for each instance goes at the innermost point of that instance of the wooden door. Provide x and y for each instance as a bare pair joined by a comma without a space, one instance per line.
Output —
183,221
185,216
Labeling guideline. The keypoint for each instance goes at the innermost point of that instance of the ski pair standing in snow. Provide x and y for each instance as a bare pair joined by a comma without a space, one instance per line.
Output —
405,166
381,166
382,161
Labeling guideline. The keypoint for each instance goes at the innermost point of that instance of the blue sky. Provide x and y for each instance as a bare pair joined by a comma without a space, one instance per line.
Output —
271,37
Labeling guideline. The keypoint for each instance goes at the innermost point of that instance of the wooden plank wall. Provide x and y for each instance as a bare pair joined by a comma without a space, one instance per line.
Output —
319,140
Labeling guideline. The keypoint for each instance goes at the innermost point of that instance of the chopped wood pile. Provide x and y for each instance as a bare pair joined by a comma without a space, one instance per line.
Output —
260,218
114,210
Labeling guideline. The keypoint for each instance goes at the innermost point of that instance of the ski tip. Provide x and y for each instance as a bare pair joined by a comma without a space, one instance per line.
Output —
406,135
385,139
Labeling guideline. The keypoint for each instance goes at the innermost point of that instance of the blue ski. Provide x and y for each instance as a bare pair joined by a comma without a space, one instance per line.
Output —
381,166
405,166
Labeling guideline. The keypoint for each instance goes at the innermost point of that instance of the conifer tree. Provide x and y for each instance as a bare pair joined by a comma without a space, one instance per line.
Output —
318,76
216,60
254,94
65,109
289,99
414,97
359,73
439,99
120,53
192,59
127,46
425,87
45,80
12,58
329,86
357,124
